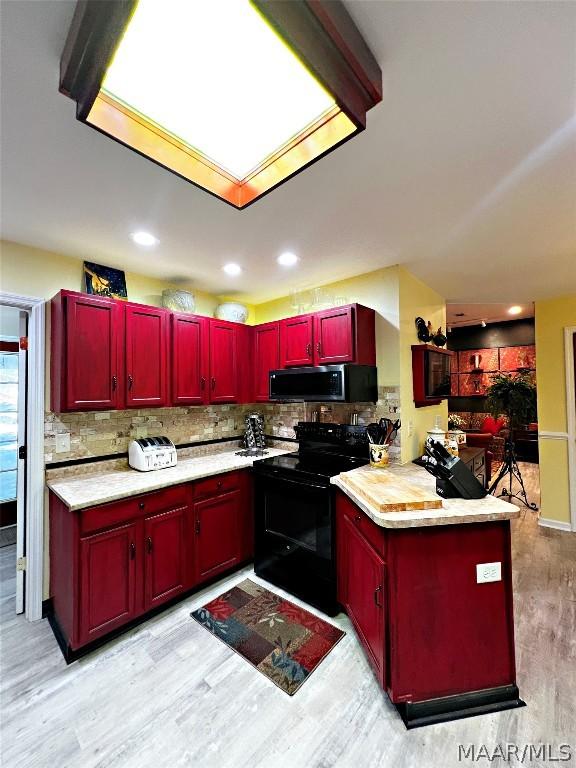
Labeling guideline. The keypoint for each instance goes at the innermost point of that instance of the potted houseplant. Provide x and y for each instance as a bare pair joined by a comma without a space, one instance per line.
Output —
513,395
516,397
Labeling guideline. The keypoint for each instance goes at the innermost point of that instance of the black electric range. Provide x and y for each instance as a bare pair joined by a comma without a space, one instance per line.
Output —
294,511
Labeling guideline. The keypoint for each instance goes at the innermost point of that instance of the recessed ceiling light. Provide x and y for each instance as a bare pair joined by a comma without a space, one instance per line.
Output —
287,259
232,269
515,310
144,238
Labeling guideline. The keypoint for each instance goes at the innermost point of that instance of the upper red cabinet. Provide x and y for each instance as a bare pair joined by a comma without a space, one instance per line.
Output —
297,341
334,337
86,363
224,385
190,355
266,357
338,335
109,354
146,356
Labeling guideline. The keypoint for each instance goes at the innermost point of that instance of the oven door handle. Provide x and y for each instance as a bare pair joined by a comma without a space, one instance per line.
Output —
278,476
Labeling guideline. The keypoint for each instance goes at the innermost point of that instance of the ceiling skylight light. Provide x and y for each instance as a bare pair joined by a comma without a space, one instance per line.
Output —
242,93
235,96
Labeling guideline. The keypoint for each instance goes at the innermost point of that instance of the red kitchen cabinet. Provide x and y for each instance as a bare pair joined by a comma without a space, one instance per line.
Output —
334,342
190,359
113,564
430,629
166,572
361,588
108,581
146,356
86,361
224,385
217,534
266,357
338,335
345,335
297,341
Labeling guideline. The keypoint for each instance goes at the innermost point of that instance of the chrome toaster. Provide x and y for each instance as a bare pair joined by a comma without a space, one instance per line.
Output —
149,453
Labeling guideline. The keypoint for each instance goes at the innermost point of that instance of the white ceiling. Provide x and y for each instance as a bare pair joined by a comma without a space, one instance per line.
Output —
466,172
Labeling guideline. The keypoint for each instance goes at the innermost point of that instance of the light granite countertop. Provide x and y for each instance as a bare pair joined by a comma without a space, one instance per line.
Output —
90,490
453,512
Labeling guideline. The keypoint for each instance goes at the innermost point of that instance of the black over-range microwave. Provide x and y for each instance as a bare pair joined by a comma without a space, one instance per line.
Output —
325,383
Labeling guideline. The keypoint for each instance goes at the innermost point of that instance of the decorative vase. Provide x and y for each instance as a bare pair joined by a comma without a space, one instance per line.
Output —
178,301
437,433
230,310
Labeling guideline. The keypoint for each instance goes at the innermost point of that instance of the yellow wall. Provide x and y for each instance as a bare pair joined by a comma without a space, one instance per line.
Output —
378,290
416,300
34,272
552,316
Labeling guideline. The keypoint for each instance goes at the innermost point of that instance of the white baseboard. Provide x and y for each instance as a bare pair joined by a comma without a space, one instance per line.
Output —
545,522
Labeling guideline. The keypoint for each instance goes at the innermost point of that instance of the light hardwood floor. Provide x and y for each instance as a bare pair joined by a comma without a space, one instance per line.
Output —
168,694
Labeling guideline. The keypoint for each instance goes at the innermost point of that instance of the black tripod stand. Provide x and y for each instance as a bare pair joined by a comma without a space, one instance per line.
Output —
511,468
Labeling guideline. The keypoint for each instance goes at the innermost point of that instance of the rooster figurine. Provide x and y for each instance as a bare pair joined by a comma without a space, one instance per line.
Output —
422,330
438,338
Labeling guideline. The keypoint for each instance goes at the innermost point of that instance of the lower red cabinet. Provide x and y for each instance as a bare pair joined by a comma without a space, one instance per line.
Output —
108,581
361,572
165,548
428,628
113,563
217,534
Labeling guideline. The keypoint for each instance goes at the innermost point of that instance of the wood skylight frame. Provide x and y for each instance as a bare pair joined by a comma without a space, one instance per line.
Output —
320,33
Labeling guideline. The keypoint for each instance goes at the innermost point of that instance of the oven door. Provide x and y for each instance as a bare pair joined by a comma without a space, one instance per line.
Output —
294,538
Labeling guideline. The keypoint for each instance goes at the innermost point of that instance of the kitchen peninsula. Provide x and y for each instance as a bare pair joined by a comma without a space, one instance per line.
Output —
439,629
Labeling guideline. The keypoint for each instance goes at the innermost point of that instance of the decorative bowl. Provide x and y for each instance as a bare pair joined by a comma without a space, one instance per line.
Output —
178,301
230,310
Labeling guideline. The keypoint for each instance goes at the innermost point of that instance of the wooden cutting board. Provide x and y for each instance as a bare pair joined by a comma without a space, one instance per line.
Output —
387,492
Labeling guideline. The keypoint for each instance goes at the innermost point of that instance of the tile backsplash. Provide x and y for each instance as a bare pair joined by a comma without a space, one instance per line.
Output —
102,433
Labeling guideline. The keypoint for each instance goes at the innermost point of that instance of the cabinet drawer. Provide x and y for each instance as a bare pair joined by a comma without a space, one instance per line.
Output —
374,534
479,462
217,484
107,515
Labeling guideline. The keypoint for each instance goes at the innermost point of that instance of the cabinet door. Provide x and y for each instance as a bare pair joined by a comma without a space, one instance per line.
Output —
217,534
361,587
189,336
296,337
146,356
267,357
93,367
223,362
165,559
334,336
107,592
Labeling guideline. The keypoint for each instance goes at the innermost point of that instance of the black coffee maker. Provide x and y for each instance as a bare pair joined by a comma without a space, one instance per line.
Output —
453,478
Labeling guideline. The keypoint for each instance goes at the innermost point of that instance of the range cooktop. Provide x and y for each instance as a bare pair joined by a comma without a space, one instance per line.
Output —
318,465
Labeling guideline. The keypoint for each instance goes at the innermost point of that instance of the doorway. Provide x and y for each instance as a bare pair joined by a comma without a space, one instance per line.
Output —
13,327
570,351
22,378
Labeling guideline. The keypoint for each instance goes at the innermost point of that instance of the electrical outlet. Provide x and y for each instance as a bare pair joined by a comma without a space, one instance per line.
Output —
410,428
63,442
486,572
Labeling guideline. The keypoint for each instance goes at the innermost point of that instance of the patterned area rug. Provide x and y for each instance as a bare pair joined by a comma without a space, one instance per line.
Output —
282,640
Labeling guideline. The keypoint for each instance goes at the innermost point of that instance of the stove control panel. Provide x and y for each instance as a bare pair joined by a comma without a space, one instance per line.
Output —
335,434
